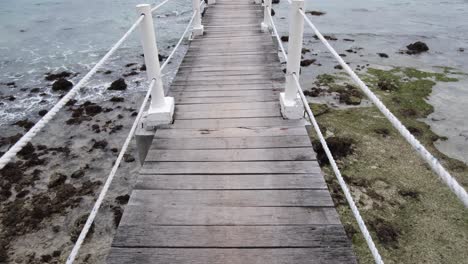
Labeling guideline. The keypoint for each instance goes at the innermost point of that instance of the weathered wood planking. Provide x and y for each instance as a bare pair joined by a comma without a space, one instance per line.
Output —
230,181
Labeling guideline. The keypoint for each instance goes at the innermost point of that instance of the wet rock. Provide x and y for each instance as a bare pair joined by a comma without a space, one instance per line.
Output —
22,194
118,212
128,158
11,84
56,179
62,85
102,144
134,114
143,67
55,76
416,48
116,99
122,199
107,72
382,55
71,102
273,12
162,57
285,38
338,67
307,62
93,109
305,50
42,112
96,128
118,85
409,112
46,258
350,95
130,64
25,123
327,37
340,147
132,73
78,174
275,1
415,131
35,90
314,92
348,40
315,13
461,49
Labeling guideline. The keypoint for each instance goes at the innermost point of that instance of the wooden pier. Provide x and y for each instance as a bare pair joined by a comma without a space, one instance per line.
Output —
231,181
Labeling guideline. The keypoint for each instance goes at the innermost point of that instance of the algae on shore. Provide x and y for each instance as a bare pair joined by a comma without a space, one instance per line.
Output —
412,215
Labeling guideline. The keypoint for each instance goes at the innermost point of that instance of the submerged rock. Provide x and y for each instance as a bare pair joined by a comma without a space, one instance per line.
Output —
285,38
55,76
382,55
307,62
118,85
62,85
416,48
315,13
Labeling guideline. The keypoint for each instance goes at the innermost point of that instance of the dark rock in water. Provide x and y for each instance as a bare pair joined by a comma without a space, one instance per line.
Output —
107,72
62,85
307,62
78,174
100,144
327,37
42,112
415,131
12,84
129,158
461,49
342,55
57,179
130,64
35,90
350,95
134,114
116,99
11,98
118,212
285,38
71,102
78,226
122,199
305,50
340,147
416,48
338,67
118,85
315,13
383,55
275,1
273,12
25,123
162,57
93,109
55,76
349,40
143,67
96,128
132,73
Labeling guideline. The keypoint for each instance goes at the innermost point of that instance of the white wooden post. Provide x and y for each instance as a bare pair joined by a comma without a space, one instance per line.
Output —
266,24
197,26
211,2
161,109
291,105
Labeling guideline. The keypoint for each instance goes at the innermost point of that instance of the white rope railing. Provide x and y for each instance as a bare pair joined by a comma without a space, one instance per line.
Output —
443,174
109,179
362,226
159,5
339,177
179,42
11,153
105,188
275,31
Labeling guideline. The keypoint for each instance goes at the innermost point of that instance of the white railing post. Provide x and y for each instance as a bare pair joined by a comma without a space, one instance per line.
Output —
161,109
291,105
197,25
266,24
211,2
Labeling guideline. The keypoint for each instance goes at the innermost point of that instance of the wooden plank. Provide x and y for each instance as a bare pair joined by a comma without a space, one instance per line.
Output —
254,154
226,93
214,113
196,77
148,214
225,99
227,106
234,198
231,132
231,182
236,122
232,255
230,82
239,167
306,236
232,143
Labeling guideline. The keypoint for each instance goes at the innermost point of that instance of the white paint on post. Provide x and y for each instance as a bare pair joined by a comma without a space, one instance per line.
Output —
211,2
266,24
161,108
291,105
197,25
